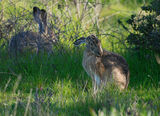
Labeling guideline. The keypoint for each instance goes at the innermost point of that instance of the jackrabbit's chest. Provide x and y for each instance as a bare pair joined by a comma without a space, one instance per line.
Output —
89,64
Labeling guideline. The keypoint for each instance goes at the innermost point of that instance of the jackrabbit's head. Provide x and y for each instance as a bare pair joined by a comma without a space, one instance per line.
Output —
92,43
40,17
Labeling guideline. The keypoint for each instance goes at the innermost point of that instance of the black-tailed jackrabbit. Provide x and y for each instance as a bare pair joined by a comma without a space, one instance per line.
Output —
33,41
103,66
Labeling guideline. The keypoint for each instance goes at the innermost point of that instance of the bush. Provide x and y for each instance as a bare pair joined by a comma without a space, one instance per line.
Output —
145,33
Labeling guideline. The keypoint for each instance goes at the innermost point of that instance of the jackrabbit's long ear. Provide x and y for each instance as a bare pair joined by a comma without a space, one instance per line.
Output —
36,14
44,16
40,17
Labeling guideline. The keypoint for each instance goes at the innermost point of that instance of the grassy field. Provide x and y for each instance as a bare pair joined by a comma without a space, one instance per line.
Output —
58,85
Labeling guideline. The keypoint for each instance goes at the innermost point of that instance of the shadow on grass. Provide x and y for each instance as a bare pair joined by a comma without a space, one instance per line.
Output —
43,103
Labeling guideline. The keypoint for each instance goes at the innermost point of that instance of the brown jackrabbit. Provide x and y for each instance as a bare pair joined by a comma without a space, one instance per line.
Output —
33,41
103,66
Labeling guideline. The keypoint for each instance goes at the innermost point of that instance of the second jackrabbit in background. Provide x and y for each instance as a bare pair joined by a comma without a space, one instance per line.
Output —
29,41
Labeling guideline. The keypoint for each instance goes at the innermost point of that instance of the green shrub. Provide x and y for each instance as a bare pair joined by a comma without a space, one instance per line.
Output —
145,33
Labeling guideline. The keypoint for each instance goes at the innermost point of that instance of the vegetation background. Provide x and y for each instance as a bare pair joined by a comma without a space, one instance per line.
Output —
57,84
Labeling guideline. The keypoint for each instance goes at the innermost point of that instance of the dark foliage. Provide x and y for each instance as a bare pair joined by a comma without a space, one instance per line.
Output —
145,32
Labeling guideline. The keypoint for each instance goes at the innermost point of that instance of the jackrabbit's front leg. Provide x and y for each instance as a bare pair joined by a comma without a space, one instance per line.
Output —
96,85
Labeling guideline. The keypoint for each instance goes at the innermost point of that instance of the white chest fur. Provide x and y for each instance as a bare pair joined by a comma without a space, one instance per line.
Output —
97,79
89,63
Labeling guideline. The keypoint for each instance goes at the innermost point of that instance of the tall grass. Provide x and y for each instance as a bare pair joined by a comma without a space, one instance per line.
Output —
57,84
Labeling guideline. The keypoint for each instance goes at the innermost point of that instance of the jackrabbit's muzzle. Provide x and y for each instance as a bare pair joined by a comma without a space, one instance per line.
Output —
80,41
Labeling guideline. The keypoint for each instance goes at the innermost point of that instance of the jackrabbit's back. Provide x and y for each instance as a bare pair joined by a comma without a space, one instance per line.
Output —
118,68
114,60
24,41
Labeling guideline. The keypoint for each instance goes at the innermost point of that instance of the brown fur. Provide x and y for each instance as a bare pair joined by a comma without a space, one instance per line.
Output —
105,65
